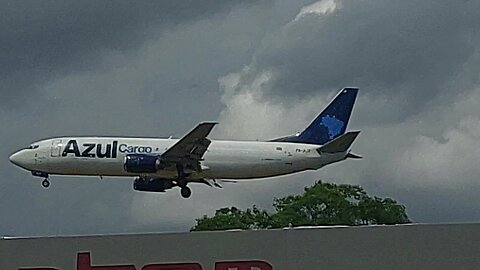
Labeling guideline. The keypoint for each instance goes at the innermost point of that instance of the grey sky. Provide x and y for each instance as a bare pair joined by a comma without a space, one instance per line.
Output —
262,69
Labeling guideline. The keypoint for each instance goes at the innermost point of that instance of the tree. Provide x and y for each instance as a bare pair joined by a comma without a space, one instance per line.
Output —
381,211
233,218
320,204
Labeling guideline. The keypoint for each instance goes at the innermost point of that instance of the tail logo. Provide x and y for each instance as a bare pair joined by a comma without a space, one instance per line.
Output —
333,125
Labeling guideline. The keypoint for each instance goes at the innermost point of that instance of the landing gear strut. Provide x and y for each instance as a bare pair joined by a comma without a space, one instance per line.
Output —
182,182
45,183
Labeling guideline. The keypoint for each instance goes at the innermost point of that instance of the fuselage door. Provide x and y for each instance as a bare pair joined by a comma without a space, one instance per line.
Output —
56,147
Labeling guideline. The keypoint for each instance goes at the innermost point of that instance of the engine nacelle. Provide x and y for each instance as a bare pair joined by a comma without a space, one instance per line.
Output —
152,184
141,163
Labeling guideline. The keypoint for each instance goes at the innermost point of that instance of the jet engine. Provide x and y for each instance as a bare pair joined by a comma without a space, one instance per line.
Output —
152,184
141,163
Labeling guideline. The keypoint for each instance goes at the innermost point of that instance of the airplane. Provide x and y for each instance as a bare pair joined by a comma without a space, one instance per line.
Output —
160,164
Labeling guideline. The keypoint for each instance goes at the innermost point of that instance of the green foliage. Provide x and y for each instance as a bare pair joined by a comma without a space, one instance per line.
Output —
233,218
321,204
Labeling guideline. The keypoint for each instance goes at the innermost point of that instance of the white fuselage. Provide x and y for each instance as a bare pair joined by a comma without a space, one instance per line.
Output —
105,156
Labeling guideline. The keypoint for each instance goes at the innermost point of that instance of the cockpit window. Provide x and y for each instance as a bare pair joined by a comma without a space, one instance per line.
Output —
33,146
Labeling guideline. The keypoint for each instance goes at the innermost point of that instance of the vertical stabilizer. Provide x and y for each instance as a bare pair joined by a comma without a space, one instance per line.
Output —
331,122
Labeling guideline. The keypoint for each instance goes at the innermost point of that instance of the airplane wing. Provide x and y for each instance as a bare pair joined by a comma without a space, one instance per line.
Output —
189,150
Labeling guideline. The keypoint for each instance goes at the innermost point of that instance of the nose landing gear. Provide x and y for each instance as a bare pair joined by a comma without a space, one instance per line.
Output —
45,183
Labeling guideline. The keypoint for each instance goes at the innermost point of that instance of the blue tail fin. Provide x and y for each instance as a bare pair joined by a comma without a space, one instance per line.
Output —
332,121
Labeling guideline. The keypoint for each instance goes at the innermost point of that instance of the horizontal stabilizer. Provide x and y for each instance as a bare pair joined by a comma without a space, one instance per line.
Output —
340,144
354,156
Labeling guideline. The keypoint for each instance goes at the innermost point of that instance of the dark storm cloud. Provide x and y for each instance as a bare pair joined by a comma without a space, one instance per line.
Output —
163,84
406,51
152,69
42,40
417,64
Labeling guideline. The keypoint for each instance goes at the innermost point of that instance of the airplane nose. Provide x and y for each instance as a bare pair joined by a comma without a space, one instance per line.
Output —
14,158
19,159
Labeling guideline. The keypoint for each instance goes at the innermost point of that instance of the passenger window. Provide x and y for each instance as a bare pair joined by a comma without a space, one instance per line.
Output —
279,148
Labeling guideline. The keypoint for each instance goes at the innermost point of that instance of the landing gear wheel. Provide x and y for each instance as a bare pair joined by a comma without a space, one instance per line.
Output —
186,192
45,183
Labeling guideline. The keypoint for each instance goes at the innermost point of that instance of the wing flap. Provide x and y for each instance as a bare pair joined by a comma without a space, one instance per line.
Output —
199,149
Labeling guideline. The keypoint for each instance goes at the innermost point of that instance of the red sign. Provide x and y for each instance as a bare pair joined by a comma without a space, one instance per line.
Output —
84,262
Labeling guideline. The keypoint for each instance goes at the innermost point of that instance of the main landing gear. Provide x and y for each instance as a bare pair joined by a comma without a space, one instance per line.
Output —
186,192
182,182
